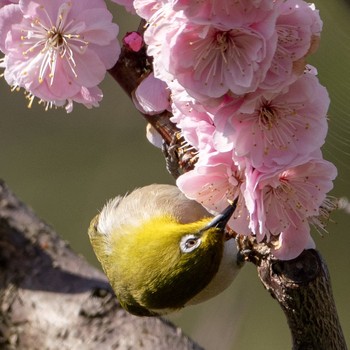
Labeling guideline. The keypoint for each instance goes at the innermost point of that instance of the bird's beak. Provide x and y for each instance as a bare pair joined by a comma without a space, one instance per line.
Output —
221,220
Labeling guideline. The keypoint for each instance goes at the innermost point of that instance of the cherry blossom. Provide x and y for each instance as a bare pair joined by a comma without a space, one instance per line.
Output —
58,51
244,97
164,23
226,12
280,203
151,96
196,124
197,127
147,8
216,181
211,60
133,41
298,27
272,129
235,76
7,2
221,60
196,120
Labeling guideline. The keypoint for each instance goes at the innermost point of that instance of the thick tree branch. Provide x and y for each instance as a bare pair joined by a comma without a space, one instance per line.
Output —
301,286
53,299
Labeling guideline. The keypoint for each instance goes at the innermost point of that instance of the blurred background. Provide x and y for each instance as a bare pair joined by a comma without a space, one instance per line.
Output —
66,166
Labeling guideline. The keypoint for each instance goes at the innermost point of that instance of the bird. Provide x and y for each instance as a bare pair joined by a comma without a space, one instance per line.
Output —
162,251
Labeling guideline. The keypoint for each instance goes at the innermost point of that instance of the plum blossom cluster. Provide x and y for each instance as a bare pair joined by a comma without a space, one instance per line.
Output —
58,50
234,74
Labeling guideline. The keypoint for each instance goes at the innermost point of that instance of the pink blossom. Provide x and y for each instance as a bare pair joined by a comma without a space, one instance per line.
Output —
58,51
196,126
196,120
215,181
146,8
211,60
7,2
89,97
151,96
191,118
281,203
293,240
298,27
277,206
244,98
272,129
220,60
133,41
237,13
163,25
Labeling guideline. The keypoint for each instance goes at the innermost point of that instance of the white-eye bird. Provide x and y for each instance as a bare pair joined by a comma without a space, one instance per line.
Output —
162,251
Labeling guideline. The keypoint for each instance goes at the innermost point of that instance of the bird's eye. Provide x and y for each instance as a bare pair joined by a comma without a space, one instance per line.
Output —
189,243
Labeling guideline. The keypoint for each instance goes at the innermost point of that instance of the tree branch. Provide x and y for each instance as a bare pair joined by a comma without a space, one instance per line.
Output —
302,287
53,299
303,290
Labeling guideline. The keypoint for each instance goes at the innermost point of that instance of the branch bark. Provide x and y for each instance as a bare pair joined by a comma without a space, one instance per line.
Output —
303,290
301,286
53,299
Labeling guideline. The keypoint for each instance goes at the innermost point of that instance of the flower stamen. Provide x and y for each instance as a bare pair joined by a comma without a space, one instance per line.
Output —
54,42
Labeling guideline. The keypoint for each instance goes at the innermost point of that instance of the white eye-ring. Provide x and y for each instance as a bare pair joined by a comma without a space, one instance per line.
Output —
189,243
